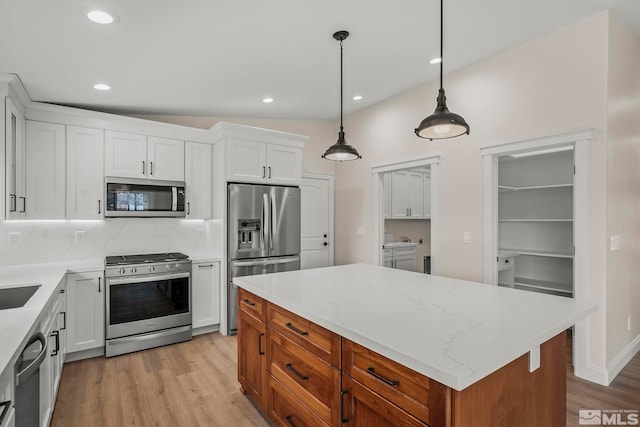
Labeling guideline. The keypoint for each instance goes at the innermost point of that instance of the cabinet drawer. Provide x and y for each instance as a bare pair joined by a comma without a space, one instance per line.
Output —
316,339
397,252
311,379
286,410
251,304
505,263
413,392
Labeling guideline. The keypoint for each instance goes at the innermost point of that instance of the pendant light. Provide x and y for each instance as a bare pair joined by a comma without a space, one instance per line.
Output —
341,151
442,123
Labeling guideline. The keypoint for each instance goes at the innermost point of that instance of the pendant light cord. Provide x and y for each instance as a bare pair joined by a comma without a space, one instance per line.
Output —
341,101
441,38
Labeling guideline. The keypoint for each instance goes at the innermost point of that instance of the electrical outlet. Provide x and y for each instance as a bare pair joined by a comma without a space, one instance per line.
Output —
360,231
628,323
80,237
14,238
466,237
614,243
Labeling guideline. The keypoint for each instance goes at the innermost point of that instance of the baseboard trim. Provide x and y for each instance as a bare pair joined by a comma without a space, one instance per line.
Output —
620,361
205,330
84,354
592,373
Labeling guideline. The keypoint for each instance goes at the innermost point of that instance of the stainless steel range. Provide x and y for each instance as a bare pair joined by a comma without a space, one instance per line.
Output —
148,301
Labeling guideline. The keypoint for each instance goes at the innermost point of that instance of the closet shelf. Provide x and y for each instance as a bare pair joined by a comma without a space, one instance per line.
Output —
535,220
534,187
552,254
543,285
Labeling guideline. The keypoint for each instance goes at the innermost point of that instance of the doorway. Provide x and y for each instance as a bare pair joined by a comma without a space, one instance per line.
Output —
404,200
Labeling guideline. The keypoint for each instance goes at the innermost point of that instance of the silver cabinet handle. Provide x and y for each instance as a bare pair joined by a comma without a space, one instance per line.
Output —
24,204
150,168
264,172
13,203
143,167
99,284
205,266
269,172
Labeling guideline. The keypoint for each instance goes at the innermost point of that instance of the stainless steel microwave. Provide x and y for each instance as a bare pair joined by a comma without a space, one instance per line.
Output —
131,197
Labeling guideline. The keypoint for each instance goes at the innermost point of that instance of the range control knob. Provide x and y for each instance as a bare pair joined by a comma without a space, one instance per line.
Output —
133,270
178,266
167,267
121,271
151,269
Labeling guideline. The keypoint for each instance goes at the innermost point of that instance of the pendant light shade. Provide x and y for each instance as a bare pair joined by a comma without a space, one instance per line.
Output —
341,151
442,124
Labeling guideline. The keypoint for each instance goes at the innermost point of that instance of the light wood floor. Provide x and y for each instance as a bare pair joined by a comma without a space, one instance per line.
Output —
194,384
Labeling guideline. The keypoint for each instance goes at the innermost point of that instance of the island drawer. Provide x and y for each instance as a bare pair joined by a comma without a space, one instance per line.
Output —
311,379
286,410
415,393
316,339
252,304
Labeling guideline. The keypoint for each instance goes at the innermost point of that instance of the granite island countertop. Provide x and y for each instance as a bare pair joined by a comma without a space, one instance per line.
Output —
453,331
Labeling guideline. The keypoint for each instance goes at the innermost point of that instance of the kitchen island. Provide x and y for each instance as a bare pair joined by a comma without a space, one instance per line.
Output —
367,345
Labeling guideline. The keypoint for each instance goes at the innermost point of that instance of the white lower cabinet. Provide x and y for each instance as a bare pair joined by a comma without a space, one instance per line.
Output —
85,311
205,296
402,258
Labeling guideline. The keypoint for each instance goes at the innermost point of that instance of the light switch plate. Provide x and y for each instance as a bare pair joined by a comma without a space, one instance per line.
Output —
466,237
14,238
360,231
80,237
614,243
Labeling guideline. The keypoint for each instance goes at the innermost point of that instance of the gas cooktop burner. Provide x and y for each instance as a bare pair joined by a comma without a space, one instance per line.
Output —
146,258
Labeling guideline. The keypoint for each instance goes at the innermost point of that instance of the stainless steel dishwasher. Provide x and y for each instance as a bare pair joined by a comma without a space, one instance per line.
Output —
27,369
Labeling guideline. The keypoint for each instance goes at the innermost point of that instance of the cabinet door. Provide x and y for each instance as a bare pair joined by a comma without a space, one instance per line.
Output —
427,196
125,155
386,183
407,262
199,180
15,161
284,165
46,175
415,195
46,374
252,360
363,407
85,173
205,285
247,161
61,322
399,202
85,311
166,159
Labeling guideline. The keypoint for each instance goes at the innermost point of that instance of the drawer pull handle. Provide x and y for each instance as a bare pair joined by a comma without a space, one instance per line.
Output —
246,301
260,351
289,419
371,370
290,367
342,418
296,330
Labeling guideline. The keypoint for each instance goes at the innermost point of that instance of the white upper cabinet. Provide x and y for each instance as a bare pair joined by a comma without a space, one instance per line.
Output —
386,184
125,155
198,178
415,195
166,159
427,196
85,173
136,156
251,161
45,165
399,195
15,162
407,192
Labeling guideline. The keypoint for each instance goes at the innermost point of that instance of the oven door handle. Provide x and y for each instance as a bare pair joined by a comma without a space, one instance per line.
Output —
154,335
140,279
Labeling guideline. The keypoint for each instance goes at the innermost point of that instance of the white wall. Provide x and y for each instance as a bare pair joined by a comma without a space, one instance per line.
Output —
551,84
623,188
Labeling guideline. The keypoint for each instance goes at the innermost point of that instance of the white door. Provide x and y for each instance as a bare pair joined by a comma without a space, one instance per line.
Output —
415,195
85,173
399,192
85,311
316,224
46,171
198,177
284,164
166,159
247,161
125,155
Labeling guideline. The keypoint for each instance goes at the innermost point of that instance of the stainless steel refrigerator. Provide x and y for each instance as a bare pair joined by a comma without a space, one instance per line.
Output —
263,235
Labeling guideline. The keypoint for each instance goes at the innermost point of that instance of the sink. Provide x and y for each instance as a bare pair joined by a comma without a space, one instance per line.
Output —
17,296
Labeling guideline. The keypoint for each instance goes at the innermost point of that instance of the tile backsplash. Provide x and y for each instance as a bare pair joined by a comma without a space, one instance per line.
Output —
27,242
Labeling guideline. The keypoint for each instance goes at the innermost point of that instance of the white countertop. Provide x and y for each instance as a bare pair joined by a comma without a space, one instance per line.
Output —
17,324
391,245
453,331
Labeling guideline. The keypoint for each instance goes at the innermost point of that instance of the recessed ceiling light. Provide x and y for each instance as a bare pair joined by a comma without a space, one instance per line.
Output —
357,97
436,60
101,86
268,100
101,16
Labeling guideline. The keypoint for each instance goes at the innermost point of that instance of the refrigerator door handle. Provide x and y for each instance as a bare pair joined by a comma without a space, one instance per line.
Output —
264,262
265,221
274,220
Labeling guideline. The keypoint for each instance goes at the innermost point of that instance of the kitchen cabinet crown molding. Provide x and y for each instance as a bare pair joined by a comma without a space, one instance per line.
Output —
11,86
225,129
